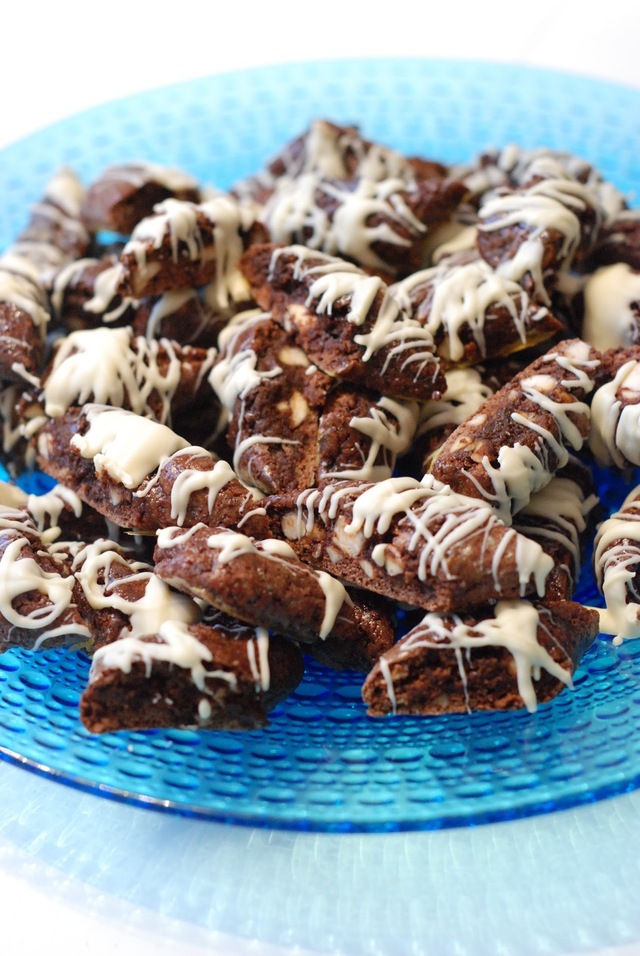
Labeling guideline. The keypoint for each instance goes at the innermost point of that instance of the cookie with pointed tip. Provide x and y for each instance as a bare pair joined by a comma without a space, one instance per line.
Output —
292,425
525,431
125,193
224,676
345,320
142,475
473,312
182,245
485,660
417,542
37,587
247,578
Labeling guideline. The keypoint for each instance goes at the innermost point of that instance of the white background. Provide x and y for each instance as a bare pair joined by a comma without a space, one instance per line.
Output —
59,58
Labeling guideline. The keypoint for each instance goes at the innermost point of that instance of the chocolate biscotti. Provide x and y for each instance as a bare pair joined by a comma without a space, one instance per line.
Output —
352,408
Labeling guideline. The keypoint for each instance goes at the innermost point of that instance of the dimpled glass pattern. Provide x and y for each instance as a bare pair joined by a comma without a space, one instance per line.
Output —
322,764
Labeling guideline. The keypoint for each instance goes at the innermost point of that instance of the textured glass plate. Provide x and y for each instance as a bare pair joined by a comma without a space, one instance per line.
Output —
322,764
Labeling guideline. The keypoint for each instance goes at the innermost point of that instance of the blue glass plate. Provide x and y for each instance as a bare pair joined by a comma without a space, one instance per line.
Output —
323,764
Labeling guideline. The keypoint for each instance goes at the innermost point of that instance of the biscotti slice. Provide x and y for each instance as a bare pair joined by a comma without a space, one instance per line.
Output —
524,432
223,677
291,425
272,397
486,660
342,152
616,559
362,434
264,584
381,225
118,595
473,312
332,151
417,542
161,380
615,410
37,600
125,193
345,320
183,245
142,475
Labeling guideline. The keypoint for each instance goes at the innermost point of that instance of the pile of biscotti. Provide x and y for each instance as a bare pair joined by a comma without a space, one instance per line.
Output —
346,410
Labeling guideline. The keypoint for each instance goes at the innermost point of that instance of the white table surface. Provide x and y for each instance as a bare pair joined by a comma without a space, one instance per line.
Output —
79,874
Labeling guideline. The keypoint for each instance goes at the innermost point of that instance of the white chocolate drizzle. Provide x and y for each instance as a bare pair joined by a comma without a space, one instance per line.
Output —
558,512
177,647
462,293
158,602
105,301
24,294
616,562
112,366
178,221
610,319
522,470
389,428
192,480
169,303
126,446
440,520
294,211
11,496
550,204
22,574
235,373
258,656
615,418
47,508
405,340
514,627
464,395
